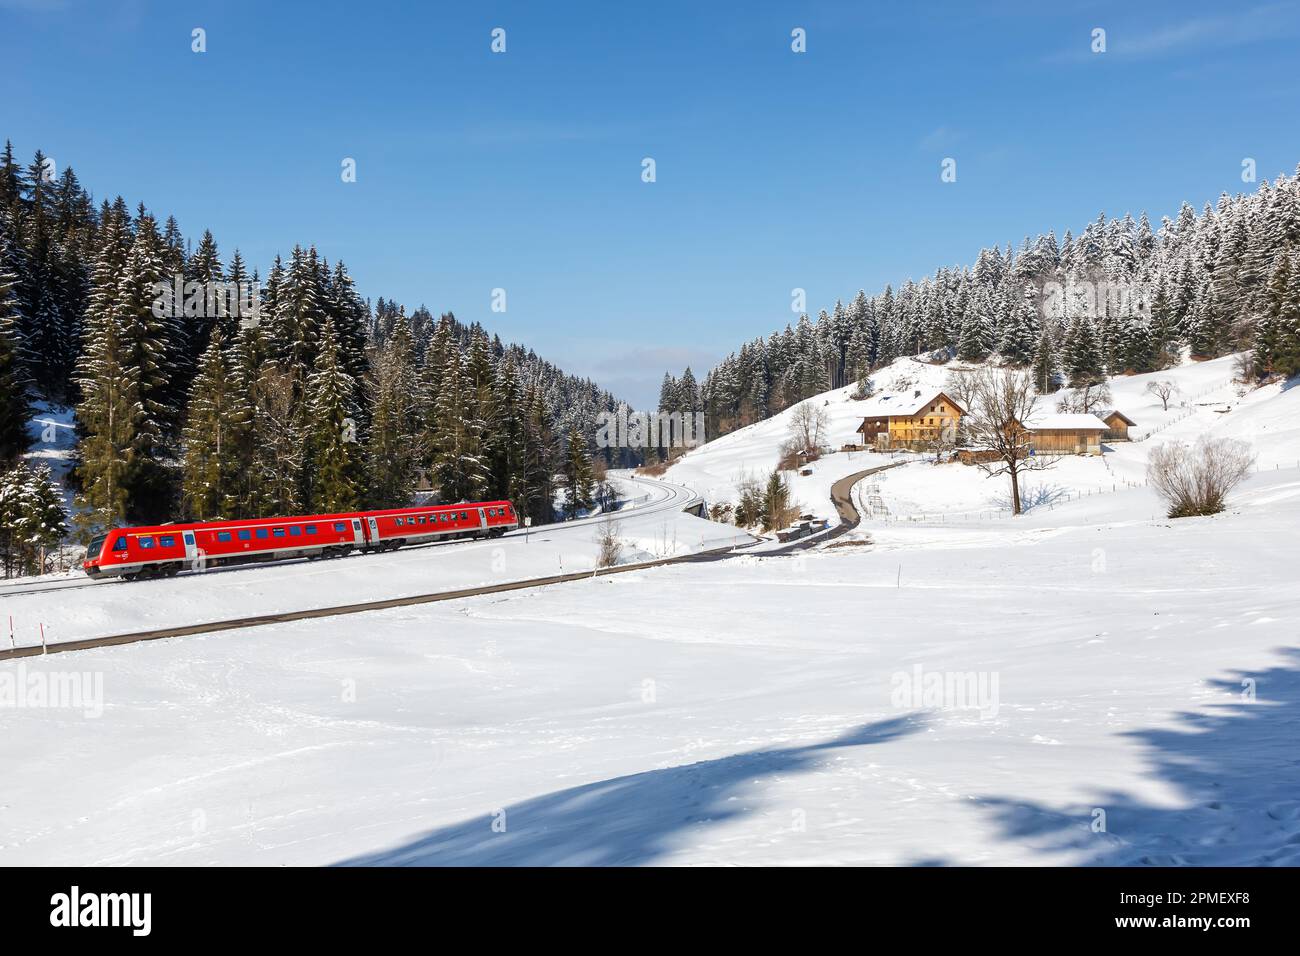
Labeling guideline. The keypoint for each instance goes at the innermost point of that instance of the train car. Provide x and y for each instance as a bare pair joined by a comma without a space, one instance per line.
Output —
395,527
166,550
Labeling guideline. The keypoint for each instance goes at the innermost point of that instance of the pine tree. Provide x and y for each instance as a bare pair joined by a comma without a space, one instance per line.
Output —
32,519
334,461
459,462
1286,352
1083,352
392,451
15,406
217,413
1045,363
578,485
1020,335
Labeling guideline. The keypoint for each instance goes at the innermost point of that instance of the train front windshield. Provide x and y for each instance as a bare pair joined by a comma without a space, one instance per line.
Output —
96,545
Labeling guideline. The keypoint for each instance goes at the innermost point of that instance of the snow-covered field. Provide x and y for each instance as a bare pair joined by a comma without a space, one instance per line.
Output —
1089,683
750,711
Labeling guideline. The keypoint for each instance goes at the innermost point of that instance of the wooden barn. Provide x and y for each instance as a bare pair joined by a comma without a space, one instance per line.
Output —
1117,424
909,420
1066,434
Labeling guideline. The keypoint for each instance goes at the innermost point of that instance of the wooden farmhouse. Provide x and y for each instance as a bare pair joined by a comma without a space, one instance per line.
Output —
1117,424
912,420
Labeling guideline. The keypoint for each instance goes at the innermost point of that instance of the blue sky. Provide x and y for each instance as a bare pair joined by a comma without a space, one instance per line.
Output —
522,170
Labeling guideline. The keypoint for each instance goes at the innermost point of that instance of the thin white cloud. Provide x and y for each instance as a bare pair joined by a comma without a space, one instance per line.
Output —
1254,25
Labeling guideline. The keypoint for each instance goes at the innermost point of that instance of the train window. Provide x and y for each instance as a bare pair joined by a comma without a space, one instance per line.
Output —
463,516
296,531
245,534
120,544
146,541
400,522
167,541
311,529
263,533
223,535
424,519
278,532
340,526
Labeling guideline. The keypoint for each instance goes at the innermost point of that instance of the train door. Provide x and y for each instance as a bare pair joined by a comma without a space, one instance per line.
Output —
193,556
357,537
374,530
482,519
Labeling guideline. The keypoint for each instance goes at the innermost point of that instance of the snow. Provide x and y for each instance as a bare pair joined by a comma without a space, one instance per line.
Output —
1044,420
1090,683
751,711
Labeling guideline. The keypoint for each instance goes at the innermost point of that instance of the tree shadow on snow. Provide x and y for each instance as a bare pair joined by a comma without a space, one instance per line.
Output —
1032,496
1235,775
626,820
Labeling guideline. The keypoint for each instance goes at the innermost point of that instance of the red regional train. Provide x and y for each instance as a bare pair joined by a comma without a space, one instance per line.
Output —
166,550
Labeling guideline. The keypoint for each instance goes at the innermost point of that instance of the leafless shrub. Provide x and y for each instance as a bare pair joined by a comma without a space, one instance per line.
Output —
611,545
1195,480
1244,369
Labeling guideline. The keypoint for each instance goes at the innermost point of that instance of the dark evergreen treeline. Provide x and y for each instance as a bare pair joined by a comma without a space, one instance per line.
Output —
254,397
1118,297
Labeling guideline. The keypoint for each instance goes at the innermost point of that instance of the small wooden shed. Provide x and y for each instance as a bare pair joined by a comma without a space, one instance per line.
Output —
1117,424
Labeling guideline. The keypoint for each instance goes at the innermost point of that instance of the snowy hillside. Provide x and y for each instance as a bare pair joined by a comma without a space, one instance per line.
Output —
1206,402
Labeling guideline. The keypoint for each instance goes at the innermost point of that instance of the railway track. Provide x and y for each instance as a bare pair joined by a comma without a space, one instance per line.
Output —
676,497
360,608
672,499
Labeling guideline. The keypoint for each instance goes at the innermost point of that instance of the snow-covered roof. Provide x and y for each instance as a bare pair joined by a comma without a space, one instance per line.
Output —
907,402
1068,422
1105,413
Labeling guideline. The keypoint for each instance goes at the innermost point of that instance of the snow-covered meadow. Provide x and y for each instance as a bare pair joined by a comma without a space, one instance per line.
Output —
1088,683
758,710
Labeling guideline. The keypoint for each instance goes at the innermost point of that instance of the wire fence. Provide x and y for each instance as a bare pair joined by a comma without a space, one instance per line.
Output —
1187,410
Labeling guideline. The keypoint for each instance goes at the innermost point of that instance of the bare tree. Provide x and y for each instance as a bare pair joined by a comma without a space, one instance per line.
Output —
1196,480
1164,390
1002,402
1085,398
808,426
